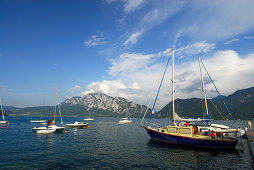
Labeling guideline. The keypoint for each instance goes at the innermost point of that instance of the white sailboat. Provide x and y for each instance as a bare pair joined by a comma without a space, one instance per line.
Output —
2,121
125,119
51,127
89,118
39,121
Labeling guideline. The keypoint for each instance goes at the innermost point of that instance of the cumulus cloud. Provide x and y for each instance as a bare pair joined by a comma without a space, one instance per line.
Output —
74,89
229,71
231,41
112,88
95,40
129,63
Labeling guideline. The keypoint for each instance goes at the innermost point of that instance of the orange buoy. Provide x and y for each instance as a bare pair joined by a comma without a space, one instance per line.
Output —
88,126
65,131
8,123
132,123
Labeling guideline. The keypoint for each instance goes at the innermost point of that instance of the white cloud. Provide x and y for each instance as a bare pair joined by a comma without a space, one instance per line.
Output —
231,41
112,88
95,40
72,90
129,63
218,20
248,37
213,20
133,38
148,19
229,71
196,48
129,5
132,5
140,83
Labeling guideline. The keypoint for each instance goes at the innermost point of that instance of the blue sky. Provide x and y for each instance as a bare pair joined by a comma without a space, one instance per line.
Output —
119,47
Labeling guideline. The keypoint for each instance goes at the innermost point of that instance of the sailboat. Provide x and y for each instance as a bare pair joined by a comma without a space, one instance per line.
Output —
89,118
76,124
125,119
51,127
181,133
39,121
2,121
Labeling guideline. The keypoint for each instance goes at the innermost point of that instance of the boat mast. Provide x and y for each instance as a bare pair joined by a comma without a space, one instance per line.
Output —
55,106
202,79
173,88
217,91
2,108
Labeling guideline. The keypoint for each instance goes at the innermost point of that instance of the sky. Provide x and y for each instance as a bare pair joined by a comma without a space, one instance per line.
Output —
120,47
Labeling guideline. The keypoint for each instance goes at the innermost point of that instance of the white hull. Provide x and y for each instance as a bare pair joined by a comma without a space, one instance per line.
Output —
46,131
124,121
88,119
3,121
37,121
76,125
49,129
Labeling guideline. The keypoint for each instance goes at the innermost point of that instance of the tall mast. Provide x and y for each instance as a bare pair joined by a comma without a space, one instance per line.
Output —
202,79
173,88
2,108
55,106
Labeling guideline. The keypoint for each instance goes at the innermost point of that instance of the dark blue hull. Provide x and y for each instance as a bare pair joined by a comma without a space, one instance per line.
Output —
188,141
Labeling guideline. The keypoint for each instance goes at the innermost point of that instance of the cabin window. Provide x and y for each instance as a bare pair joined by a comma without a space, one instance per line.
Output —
185,131
162,130
172,130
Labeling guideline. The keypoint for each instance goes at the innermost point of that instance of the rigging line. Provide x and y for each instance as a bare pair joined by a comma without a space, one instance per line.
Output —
159,89
217,90
149,99
217,110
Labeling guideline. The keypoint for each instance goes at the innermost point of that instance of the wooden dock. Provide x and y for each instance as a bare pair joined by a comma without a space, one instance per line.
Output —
250,138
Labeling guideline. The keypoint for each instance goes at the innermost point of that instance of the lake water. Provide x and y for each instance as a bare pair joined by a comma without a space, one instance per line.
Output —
107,145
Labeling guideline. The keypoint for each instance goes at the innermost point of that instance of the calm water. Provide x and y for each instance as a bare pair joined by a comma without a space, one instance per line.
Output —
106,145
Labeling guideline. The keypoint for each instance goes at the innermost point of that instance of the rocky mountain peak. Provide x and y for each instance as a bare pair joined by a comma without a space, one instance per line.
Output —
106,103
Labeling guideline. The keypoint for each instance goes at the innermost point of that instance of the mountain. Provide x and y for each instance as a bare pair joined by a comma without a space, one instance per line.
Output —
96,104
240,104
103,105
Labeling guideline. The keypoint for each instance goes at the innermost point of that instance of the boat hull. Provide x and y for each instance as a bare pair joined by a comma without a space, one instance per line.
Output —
37,121
194,142
49,129
124,121
3,121
89,119
76,126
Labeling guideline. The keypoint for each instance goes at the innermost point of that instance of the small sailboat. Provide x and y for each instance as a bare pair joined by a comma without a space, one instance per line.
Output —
125,119
89,118
2,121
80,125
181,132
39,121
51,127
